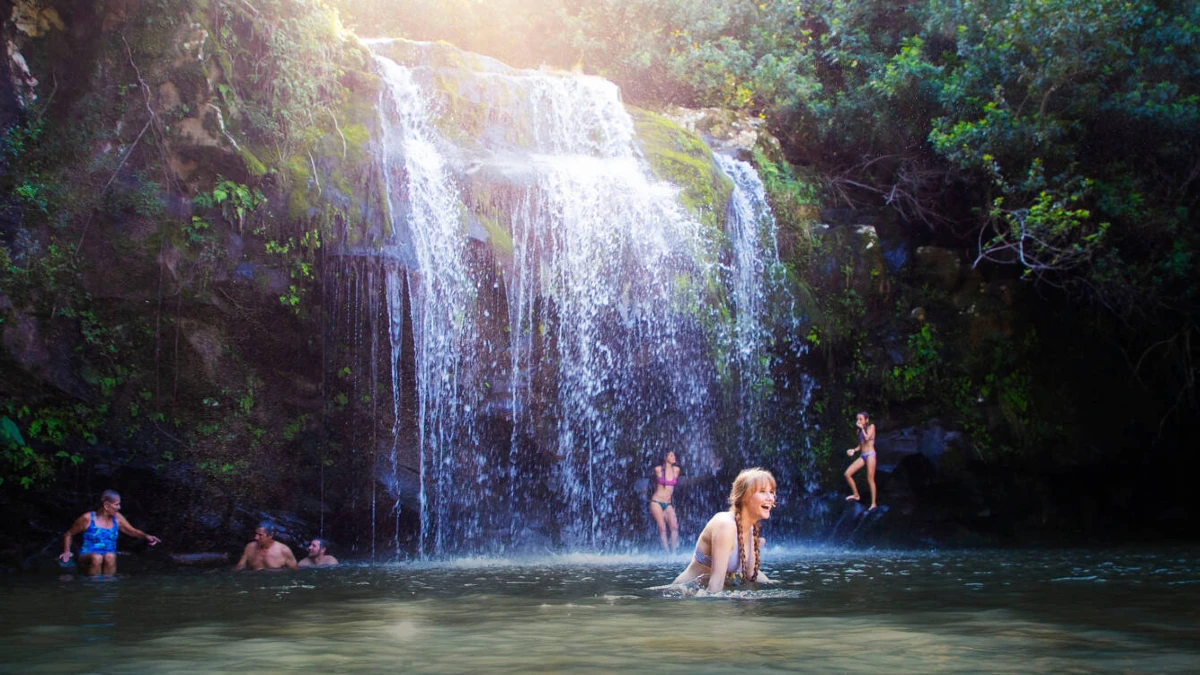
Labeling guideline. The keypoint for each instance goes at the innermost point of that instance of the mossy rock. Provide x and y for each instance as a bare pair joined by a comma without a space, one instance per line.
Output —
254,165
436,55
681,157
300,173
852,260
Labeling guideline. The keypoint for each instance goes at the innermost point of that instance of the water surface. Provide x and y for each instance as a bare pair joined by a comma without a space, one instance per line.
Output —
842,611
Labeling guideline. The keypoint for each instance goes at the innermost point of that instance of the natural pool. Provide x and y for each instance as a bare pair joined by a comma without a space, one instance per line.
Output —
841,611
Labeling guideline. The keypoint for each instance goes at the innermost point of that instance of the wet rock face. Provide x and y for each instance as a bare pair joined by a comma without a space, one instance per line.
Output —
850,257
942,268
34,350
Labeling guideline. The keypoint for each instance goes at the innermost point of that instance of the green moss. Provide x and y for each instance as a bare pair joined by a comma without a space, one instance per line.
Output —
339,181
442,54
462,119
300,173
682,158
356,136
401,51
299,170
431,54
498,237
254,165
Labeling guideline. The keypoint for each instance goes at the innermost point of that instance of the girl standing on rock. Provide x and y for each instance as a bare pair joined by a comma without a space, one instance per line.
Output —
866,444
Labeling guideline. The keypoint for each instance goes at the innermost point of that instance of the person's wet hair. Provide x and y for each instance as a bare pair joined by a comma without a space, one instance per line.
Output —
746,481
110,497
864,414
268,527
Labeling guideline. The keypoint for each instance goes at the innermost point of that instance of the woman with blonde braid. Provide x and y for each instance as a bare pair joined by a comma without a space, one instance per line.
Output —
728,547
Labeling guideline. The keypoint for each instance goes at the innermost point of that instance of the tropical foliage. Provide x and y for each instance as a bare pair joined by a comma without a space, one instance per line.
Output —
1057,138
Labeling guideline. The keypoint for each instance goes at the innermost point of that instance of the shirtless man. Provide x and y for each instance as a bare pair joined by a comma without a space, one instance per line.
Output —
317,557
264,553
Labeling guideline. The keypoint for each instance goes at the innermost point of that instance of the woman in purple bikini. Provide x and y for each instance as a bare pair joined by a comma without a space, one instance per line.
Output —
866,444
727,550
665,477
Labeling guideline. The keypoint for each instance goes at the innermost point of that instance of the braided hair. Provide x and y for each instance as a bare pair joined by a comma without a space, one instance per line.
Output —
745,482
745,563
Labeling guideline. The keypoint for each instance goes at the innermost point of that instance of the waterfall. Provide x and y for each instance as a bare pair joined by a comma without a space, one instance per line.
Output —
570,319
760,296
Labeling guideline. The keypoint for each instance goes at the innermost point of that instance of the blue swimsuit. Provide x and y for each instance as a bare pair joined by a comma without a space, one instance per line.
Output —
99,540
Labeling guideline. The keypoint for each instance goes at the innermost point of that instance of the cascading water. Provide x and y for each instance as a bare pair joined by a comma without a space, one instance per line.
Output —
571,321
756,279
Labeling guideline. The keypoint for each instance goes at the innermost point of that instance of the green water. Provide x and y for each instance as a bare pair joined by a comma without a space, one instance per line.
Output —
834,611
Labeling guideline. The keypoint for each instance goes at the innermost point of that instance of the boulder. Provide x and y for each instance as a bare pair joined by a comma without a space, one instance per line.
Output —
940,268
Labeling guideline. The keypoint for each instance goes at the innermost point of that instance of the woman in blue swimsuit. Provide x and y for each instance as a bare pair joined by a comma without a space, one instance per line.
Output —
98,554
728,547
866,444
661,507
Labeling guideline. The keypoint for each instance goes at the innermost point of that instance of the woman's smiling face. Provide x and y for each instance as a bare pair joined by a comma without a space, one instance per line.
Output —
761,499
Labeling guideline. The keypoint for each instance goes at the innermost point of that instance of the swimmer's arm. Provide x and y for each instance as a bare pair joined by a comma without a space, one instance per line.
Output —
78,526
241,564
869,436
134,532
289,559
724,539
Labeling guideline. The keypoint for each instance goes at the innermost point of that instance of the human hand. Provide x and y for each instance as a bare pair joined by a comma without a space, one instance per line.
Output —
152,540
850,452
65,556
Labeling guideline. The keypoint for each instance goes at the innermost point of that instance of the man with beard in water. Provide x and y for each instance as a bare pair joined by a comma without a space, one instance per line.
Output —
317,557
264,553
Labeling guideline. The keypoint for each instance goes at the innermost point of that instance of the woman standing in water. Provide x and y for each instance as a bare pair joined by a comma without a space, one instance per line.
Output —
728,547
98,554
866,444
661,507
